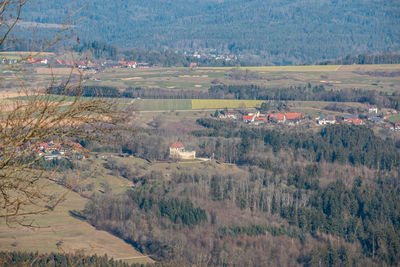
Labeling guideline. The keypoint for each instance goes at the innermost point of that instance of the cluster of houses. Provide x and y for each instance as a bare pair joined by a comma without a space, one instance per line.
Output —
82,64
211,54
258,118
393,126
57,151
331,119
88,64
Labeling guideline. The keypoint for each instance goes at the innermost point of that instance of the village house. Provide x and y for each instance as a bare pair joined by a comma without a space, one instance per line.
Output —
258,118
177,151
251,117
248,118
262,118
37,61
373,110
128,64
277,117
293,117
326,119
354,121
51,150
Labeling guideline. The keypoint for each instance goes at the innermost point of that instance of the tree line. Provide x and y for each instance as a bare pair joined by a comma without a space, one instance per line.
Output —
381,58
35,259
245,92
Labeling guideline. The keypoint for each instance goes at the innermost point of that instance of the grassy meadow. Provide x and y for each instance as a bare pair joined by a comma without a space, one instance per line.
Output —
59,231
374,77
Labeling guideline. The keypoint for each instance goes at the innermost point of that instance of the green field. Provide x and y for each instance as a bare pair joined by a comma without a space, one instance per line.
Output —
373,77
331,76
285,68
162,104
394,118
192,104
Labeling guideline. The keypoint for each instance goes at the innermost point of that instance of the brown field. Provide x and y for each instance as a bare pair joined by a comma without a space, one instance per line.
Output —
59,71
70,233
10,94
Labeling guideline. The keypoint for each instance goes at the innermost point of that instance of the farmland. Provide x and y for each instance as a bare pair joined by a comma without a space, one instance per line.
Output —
374,77
142,156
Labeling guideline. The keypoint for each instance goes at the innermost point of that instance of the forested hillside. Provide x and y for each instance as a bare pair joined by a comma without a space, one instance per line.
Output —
324,198
268,32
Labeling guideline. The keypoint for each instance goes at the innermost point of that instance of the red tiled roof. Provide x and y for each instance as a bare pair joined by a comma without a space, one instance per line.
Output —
277,116
293,116
177,145
261,118
354,120
247,117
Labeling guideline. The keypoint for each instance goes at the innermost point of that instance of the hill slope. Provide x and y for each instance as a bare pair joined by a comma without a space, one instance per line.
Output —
280,32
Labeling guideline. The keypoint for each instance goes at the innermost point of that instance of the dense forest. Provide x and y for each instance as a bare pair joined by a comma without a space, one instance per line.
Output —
22,259
383,58
265,32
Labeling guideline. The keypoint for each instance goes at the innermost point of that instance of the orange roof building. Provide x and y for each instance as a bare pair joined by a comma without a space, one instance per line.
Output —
280,117
177,151
354,121
177,145
293,116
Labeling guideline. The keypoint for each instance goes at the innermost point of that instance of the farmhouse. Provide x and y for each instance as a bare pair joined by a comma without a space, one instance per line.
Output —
248,118
251,117
326,119
59,151
293,117
177,151
373,110
355,121
128,64
277,117
262,118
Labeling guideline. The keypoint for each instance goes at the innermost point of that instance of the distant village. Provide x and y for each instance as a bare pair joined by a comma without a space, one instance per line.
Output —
81,64
98,65
58,151
374,118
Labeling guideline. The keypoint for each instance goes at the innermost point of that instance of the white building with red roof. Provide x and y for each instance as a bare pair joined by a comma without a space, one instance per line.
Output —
177,151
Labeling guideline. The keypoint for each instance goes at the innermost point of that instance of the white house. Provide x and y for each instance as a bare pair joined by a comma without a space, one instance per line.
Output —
373,110
326,119
177,151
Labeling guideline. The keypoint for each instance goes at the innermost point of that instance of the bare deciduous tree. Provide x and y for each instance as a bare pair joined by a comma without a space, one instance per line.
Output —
39,117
